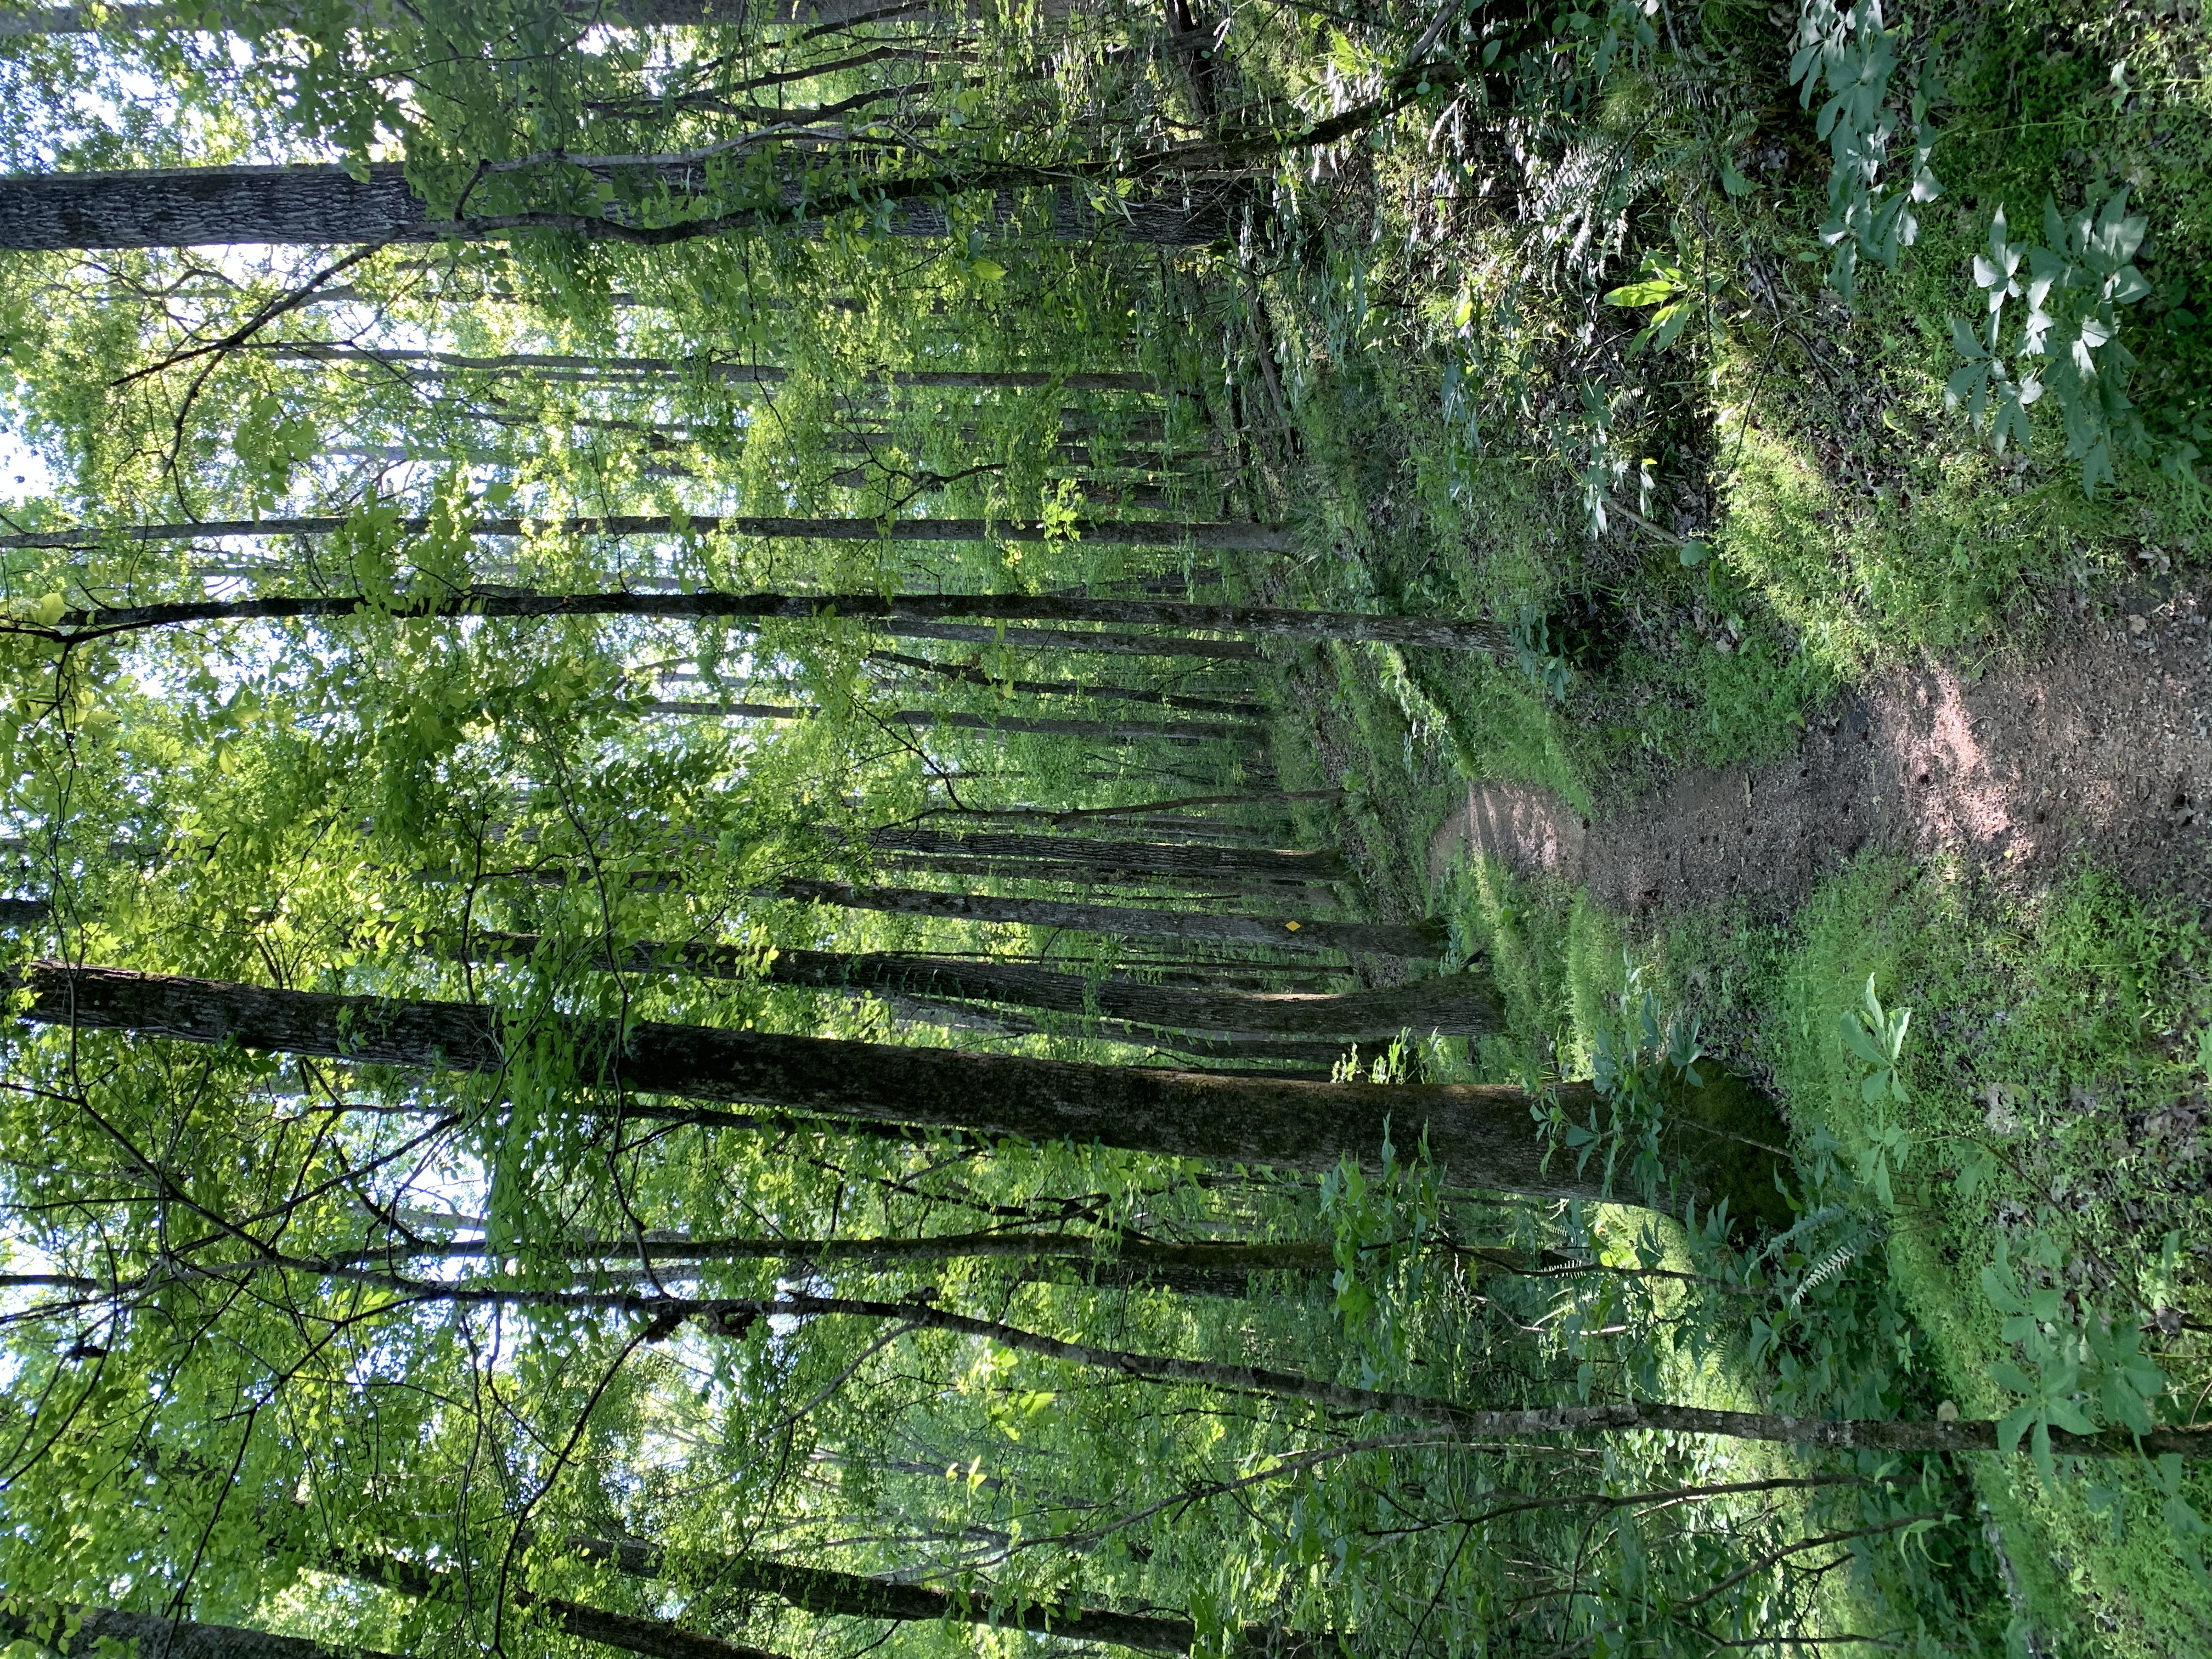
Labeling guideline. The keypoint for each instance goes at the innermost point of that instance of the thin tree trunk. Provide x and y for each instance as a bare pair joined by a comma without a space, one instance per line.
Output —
1480,1133
1208,1256
1627,1416
656,1638
654,368
852,1595
1100,731
811,1589
1229,536
1081,814
1452,1005
1179,701
635,14
736,1315
1046,639
1277,864
1419,941
1443,633
1137,887
1308,1059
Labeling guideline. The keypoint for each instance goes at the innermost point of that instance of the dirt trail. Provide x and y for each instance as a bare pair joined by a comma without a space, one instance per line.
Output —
2095,744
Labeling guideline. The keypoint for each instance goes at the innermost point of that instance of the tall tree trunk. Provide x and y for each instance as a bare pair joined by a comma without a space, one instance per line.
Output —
158,1637
1092,691
1419,941
1050,639
1181,888
1229,536
1207,1255
1064,817
811,1589
850,1594
654,1638
1181,1051
635,14
1480,1133
649,369
1440,632
1183,858
1453,1004
319,205
1100,731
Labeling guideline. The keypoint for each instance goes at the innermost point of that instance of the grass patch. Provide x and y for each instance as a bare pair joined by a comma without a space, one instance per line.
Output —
2058,1036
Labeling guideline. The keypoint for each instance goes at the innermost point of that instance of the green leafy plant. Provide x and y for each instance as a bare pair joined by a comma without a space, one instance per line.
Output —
1854,54
1601,465
1874,1036
1680,299
1636,1065
1540,658
1621,33
2067,344
2081,1374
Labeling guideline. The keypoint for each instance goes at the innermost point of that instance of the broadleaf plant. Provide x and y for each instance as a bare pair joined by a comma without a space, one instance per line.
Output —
2075,285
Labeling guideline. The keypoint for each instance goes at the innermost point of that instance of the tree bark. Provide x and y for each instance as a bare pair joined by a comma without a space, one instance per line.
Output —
656,1638
968,675
1237,891
1625,1416
1100,731
1084,814
1451,1004
157,1638
652,368
1190,858
1443,633
635,14
1229,536
1209,1256
735,1316
1048,638
852,1595
1480,1133
316,206
1419,941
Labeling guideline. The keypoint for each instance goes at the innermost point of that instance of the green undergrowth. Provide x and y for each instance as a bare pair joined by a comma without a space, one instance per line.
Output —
1465,400
2057,1100
1458,379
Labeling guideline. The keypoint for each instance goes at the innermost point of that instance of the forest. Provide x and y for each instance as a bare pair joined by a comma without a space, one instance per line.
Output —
1258,828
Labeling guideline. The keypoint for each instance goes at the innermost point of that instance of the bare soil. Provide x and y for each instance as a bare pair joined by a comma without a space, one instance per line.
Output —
2092,747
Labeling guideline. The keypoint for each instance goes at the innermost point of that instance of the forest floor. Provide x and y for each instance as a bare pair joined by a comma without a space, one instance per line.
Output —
1906,718
2092,747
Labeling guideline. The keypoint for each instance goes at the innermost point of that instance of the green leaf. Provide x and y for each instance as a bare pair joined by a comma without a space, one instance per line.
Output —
1651,286
1859,1040
1667,326
2064,1414
2006,1374
2125,286
2040,1449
